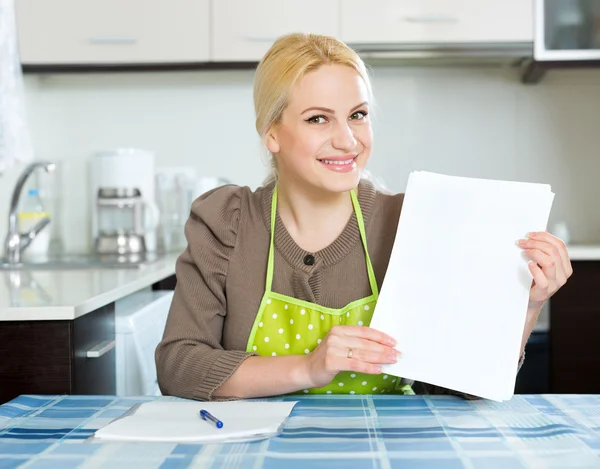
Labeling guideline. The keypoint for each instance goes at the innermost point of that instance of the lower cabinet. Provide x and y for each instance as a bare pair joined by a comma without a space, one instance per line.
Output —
575,332
59,357
79,356
534,376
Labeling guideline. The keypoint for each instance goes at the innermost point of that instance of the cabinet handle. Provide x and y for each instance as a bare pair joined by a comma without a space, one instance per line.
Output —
431,19
112,40
100,349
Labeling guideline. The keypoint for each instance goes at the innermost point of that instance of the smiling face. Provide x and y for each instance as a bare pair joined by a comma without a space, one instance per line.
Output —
324,137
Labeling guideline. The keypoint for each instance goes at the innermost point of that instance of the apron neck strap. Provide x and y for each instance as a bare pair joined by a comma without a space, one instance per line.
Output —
363,237
361,229
270,263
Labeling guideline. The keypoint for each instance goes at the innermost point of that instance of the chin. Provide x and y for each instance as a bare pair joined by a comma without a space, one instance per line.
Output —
341,182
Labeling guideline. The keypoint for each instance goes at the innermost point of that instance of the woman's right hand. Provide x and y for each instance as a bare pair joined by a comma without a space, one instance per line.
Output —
370,349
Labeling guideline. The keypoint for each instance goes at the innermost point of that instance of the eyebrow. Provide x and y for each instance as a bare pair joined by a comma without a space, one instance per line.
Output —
331,111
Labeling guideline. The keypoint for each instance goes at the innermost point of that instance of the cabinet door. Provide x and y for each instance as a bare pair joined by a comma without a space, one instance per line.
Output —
94,352
431,21
112,31
243,30
574,332
36,358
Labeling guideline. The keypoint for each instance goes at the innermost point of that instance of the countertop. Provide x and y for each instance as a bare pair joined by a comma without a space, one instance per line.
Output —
69,294
31,295
584,252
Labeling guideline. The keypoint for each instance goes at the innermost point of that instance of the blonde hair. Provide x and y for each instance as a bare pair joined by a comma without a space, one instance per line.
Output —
289,59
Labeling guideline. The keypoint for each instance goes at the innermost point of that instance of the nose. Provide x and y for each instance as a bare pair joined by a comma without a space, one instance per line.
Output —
343,137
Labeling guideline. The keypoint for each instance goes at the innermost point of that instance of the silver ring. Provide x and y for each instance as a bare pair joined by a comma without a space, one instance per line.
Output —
350,351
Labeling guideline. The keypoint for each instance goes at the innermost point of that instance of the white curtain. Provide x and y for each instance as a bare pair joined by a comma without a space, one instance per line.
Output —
15,140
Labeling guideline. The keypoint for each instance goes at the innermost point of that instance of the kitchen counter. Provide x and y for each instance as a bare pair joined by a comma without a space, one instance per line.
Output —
44,295
584,252
69,294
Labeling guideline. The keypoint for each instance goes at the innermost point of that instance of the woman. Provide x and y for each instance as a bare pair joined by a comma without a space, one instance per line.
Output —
277,286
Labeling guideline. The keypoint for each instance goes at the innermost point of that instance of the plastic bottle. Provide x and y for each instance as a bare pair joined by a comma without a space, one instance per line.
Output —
32,211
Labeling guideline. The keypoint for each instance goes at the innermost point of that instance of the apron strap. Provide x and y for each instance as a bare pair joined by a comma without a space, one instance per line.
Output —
363,237
361,229
269,281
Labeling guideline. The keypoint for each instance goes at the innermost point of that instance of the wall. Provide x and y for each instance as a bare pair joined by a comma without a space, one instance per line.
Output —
479,122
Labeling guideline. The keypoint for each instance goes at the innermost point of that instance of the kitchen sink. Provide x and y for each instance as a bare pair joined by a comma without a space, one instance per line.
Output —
82,261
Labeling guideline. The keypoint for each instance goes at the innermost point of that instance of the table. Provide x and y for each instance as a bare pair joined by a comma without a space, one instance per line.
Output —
408,432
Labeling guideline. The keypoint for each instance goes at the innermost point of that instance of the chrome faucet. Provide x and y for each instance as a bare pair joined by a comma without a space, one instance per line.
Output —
16,242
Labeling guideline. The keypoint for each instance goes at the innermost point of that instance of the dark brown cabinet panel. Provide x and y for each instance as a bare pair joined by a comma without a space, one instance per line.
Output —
575,332
94,375
168,283
50,357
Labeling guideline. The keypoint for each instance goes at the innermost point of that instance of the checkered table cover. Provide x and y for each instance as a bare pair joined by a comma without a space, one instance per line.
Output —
408,432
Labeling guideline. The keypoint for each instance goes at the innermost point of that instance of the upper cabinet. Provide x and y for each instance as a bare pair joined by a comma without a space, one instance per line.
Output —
113,31
243,30
117,32
431,21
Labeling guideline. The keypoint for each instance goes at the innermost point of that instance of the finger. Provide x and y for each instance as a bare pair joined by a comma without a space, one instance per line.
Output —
364,332
560,246
336,363
545,261
544,246
352,364
541,281
345,342
376,357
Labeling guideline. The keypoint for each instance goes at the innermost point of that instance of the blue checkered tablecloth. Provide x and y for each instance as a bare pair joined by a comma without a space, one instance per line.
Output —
408,432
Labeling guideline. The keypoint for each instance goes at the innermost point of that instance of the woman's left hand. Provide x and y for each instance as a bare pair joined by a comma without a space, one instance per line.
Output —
550,266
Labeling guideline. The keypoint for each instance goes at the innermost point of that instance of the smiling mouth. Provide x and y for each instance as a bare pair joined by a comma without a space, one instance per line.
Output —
339,162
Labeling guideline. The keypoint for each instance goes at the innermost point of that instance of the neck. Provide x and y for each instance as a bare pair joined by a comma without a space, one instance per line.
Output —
313,218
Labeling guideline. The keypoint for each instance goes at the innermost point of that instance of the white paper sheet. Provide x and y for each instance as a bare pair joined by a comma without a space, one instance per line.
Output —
456,290
180,422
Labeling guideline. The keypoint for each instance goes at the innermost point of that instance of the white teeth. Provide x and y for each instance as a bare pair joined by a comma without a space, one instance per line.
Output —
337,162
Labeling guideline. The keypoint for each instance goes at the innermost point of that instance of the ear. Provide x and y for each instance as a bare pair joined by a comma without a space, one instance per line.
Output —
272,140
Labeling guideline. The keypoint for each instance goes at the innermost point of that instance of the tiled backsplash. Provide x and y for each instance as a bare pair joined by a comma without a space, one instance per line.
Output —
462,121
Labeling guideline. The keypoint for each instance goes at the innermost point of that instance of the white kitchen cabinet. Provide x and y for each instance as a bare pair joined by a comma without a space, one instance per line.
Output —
59,32
243,30
436,21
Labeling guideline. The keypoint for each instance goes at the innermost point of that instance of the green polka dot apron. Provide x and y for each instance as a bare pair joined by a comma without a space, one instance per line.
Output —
288,326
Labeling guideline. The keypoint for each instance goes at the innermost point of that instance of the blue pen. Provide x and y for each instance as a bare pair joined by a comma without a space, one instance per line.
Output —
206,415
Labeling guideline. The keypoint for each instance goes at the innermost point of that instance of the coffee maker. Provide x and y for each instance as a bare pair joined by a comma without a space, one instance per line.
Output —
124,212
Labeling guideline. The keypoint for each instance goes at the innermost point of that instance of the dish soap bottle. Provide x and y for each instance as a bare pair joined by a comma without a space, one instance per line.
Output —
32,212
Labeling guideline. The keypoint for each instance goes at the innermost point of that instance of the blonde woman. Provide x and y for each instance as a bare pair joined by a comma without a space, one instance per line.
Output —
277,286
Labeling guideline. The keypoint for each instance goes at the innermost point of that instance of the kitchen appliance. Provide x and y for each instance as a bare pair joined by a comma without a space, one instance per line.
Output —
140,320
567,35
124,212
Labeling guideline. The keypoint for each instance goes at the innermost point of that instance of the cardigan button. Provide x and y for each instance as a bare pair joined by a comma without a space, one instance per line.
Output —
309,259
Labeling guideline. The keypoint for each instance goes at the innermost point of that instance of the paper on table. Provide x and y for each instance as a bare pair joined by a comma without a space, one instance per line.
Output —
456,290
180,422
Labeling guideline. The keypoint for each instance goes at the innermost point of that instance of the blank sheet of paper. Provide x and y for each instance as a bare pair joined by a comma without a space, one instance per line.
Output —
456,290
180,422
